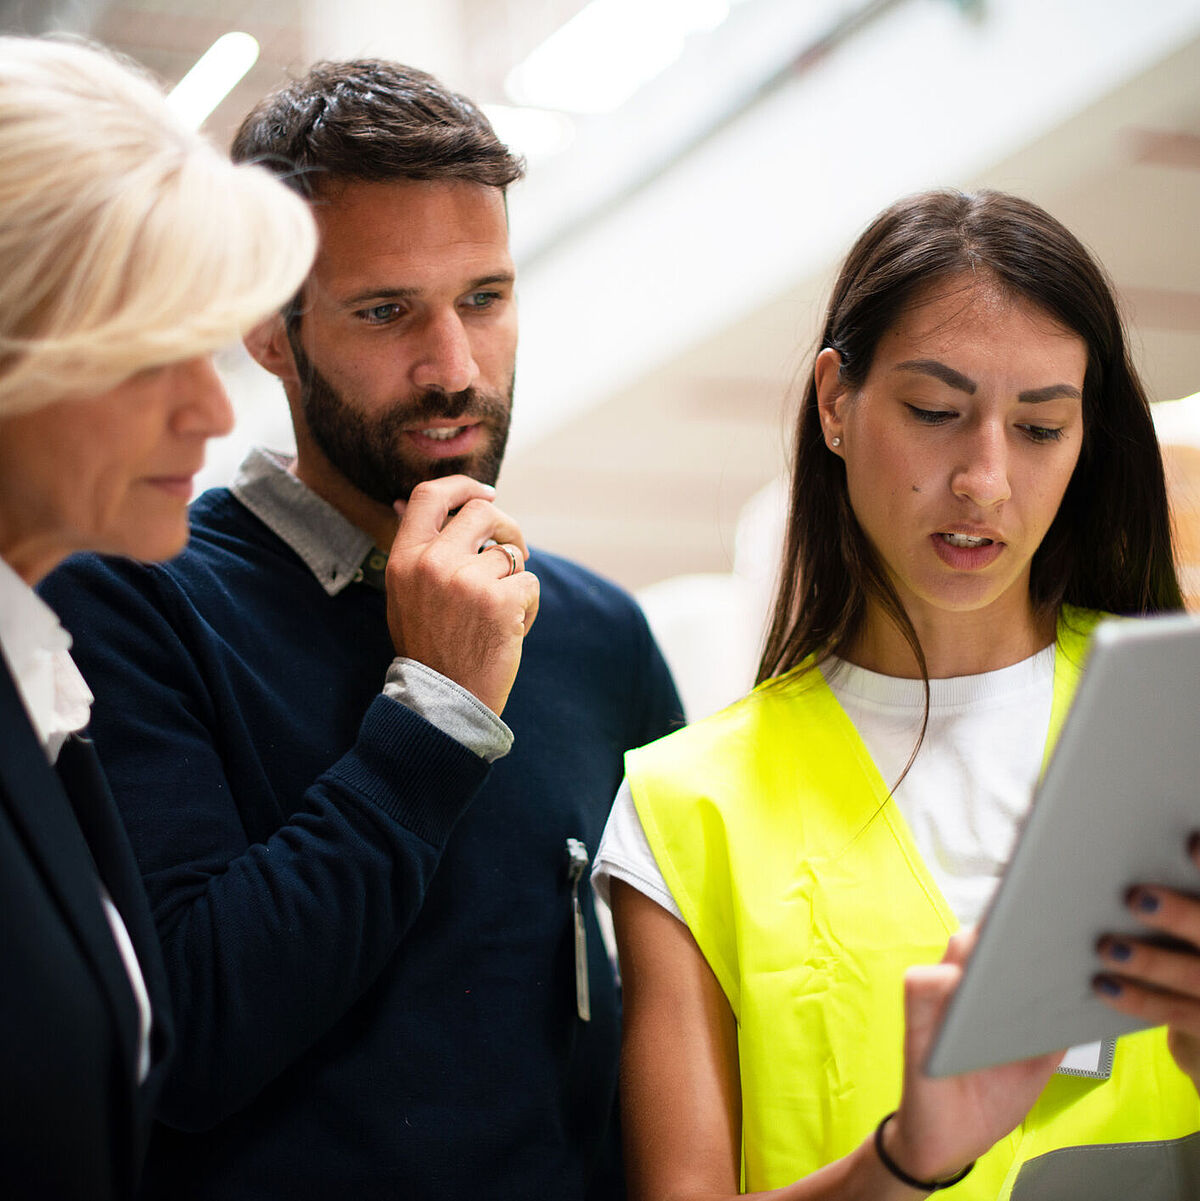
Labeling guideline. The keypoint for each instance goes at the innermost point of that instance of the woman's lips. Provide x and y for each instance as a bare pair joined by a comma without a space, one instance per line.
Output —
966,552
174,485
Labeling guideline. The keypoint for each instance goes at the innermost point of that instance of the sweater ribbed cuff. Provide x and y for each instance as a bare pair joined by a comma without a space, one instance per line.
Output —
414,773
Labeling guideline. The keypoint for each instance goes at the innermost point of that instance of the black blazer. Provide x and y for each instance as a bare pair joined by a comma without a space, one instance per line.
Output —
73,1120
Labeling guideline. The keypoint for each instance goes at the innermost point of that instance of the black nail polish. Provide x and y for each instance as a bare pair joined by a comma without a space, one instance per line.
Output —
1147,902
1120,951
1107,985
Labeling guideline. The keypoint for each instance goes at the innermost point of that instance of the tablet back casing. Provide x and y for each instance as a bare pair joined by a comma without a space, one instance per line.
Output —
1118,801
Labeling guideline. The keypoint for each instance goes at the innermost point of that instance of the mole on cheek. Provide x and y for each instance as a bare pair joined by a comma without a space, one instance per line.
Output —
915,488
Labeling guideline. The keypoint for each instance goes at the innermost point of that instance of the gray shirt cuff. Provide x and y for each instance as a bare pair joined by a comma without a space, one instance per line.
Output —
450,707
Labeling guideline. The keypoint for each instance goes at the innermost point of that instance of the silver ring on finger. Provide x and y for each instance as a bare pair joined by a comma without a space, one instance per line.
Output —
514,564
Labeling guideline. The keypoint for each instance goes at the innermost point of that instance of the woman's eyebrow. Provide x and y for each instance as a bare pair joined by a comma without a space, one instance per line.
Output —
955,379
1050,392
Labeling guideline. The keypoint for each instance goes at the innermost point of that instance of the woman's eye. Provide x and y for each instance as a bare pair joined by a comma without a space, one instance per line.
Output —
930,416
1042,433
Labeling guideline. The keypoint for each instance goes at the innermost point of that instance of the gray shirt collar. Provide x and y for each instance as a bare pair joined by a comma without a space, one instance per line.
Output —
331,546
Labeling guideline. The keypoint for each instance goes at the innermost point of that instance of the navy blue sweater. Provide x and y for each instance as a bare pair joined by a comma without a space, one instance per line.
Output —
367,931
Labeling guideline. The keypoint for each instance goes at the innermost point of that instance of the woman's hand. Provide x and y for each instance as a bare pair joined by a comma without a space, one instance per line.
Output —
944,1124
1157,983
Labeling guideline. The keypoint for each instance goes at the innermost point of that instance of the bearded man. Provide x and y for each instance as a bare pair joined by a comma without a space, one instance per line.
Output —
365,881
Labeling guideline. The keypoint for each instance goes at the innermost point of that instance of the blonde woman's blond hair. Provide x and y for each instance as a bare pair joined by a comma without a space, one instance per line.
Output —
127,241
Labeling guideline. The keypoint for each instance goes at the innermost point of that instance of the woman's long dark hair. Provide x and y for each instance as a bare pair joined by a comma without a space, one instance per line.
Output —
1109,546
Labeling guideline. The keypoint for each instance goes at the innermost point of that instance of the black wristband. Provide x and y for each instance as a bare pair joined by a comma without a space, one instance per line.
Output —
896,1170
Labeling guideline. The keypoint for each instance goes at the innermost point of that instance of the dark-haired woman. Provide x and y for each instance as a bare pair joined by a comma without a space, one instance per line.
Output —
976,480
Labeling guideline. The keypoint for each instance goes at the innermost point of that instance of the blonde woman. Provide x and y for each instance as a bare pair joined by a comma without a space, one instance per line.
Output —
129,251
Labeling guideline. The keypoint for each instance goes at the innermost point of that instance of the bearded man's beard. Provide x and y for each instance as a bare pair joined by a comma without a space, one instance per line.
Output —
370,450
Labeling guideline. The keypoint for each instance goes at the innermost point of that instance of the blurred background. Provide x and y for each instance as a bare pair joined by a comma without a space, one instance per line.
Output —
697,168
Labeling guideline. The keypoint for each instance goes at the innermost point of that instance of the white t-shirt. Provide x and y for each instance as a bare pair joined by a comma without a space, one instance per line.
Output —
963,798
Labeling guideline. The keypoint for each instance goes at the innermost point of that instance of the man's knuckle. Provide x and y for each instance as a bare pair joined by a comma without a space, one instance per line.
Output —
477,505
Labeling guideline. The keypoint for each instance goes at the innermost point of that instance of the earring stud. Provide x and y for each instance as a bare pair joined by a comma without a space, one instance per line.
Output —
835,441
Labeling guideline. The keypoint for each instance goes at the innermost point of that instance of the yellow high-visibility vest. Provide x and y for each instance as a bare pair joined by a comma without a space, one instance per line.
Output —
800,881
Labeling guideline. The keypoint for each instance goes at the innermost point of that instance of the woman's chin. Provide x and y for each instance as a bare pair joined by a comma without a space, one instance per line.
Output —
148,542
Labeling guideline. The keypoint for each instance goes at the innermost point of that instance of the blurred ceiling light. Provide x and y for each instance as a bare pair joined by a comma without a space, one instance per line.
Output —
608,50
534,133
213,76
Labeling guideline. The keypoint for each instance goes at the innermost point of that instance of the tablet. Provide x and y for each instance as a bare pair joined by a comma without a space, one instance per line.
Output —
1115,807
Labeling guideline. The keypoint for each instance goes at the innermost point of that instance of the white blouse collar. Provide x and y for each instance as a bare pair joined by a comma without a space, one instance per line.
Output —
36,646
